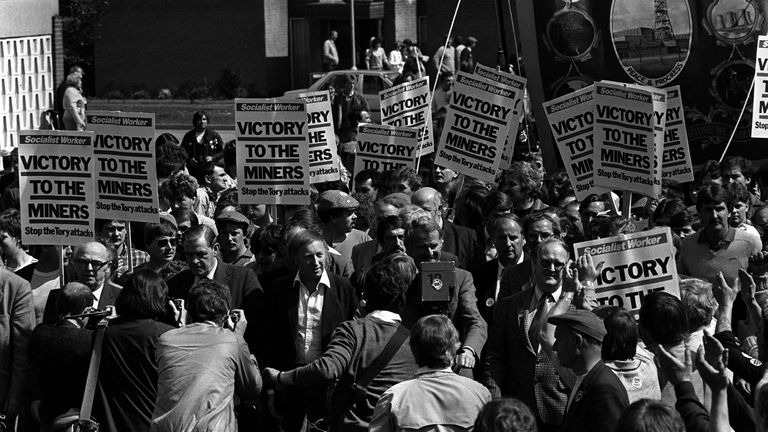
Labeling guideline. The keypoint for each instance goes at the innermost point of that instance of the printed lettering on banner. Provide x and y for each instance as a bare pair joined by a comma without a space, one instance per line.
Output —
634,265
407,105
382,147
659,125
323,157
126,174
676,159
625,149
518,112
760,102
572,119
476,124
272,151
56,187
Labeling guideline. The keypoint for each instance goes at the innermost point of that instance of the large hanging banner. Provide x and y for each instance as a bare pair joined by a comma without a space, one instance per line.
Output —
760,101
272,152
571,119
407,105
518,83
323,156
56,187
126,174
476,125
676,162
634,265
382,148
624,138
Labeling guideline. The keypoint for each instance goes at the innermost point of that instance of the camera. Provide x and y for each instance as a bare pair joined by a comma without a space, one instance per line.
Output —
234,316
437,278
4,426
178,303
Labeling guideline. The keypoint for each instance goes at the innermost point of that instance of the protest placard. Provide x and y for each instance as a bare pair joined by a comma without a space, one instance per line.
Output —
476,125
676,160
381,147
634,265
624,138
272,151
518,110
407,105
323,157
659,125
126,174
56,187
760,101
572,119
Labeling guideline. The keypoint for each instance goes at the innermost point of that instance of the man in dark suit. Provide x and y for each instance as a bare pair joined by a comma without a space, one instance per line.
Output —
91,265
508,238
200,251
18,314
424,244
458,240
537,226
598,397
301,314
390,238
515,366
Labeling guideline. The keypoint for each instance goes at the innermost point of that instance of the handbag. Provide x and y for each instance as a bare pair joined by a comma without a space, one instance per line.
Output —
348,392
80,420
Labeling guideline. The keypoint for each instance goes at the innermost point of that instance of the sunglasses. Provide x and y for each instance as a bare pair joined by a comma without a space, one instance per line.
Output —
556,264
165,242
84,263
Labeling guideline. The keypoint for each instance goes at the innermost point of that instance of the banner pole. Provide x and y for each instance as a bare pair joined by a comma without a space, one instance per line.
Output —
129,246
61,267
736,126
626,204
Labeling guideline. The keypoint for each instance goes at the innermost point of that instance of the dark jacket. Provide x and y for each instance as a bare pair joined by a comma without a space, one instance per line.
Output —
485,288
598,403
514,369
108,298
462,242
242,282
514,277
274,346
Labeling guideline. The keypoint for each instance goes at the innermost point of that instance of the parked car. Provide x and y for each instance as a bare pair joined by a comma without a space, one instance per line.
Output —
369,84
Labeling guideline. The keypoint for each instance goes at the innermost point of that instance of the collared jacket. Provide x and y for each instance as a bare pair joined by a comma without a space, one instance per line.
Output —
17,320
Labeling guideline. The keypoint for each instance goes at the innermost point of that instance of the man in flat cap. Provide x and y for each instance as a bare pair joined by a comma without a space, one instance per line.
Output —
234,228
336,210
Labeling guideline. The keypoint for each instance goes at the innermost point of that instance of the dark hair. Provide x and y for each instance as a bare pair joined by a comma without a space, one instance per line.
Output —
434,340
302,239
73,299
10,222
699,302
662,316
227,198
496,202
208,300
472,200
388,223
200,169
680,219
198,232
506,415
169,159
612,225
589,200
648,415
402,174
185,215
666,209
366,174
620,341
710,168
178,186
714,193
739,192
743,164
386,282
266,240
153,231
144,295
304,218
537,216
364,212
198,115
524,175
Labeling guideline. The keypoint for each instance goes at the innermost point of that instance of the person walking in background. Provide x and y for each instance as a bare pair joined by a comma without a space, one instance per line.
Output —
375,56
74,103
330,55
467,60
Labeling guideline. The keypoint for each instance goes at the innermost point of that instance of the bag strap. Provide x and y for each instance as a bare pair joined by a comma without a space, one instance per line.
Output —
389,351
93,373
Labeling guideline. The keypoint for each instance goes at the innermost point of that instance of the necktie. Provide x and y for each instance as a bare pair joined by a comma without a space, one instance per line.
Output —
542,310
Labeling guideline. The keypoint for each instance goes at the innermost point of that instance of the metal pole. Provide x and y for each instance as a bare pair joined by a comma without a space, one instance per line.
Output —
501,53
352,21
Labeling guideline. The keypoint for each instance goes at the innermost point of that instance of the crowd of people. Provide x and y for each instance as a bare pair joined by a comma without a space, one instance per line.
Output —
227,316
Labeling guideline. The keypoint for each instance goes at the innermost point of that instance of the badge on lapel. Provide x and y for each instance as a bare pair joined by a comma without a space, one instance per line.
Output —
579,396
489,302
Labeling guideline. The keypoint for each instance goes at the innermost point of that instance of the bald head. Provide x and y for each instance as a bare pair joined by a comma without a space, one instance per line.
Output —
92,264
429,200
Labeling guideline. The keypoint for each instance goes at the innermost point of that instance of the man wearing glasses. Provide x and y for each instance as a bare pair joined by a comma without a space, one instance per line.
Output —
515,364
92,266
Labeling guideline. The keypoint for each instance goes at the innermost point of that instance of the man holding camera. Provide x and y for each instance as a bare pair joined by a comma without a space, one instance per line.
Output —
424,243
202,365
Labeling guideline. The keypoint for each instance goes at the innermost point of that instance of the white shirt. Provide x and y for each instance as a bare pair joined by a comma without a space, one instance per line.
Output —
210,273
576,385
308,340
97,295
385,316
